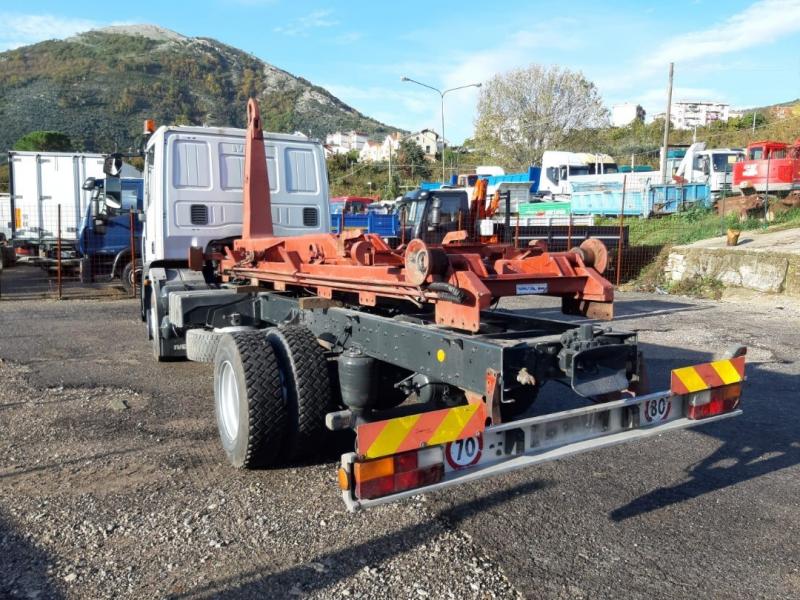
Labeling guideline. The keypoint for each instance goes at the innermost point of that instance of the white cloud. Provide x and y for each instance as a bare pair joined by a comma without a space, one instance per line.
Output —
412,105
301,26
348,37
765,21
21,29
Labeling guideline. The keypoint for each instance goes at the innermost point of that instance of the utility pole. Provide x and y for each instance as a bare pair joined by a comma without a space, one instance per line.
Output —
444,172
391,181
754,123
666,126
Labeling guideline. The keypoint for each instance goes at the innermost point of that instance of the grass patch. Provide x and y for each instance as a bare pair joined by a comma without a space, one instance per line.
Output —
696,224
698,287
652,277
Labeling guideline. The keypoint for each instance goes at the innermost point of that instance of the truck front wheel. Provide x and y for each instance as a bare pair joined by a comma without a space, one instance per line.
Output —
250,400
131,278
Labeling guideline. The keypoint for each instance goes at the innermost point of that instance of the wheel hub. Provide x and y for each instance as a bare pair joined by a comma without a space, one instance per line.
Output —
228,394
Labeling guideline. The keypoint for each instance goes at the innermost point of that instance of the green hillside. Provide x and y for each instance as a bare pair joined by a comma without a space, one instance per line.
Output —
99,86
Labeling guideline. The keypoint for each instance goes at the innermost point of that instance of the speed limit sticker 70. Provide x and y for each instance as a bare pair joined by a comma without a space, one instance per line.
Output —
657,410
461,454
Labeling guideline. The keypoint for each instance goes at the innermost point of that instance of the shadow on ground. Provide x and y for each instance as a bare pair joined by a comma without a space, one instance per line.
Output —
347,561
764,439
23,566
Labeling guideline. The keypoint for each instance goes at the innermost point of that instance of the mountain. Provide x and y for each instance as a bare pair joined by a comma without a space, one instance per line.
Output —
99,86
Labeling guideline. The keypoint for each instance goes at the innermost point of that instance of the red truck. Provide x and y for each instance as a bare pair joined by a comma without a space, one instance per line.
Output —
769,166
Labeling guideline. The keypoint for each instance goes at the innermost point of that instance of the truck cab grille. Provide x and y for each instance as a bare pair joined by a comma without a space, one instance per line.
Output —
199,214
310,217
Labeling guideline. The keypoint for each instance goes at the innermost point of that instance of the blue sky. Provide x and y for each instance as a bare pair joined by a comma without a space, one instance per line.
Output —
742,52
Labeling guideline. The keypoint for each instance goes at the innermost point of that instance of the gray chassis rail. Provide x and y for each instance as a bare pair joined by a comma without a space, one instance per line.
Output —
412,342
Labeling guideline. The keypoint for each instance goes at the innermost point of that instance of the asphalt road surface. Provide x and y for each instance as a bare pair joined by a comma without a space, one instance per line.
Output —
113,484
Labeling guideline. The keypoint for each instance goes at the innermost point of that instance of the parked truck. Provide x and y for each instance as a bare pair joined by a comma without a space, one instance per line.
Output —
316,332
193,181
769,167
104,237
559,168
40,183
713,167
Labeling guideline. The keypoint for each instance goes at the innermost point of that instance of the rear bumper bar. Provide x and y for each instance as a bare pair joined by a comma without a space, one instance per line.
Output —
518,444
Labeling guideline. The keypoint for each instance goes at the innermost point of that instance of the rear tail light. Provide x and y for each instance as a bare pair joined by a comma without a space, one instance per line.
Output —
715,401
398,473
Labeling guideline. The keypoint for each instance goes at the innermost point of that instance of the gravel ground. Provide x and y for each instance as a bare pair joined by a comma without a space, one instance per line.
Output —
112,483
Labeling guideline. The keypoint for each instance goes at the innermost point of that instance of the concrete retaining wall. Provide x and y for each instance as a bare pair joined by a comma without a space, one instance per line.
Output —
772,272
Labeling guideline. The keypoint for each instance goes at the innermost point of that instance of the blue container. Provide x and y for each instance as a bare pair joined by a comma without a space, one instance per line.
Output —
383,225
671,198
429,185
606,199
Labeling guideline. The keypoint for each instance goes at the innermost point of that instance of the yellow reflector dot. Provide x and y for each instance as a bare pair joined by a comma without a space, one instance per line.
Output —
440,355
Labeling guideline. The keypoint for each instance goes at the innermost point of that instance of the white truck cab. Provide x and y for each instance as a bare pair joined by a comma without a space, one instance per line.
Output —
713,167
193,188
558,167
193,197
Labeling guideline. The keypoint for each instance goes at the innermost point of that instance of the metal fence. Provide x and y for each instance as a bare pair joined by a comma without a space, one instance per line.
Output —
635,219
55,259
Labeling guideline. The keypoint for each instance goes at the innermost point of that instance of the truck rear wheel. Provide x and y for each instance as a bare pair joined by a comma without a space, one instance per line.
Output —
304,373
250,400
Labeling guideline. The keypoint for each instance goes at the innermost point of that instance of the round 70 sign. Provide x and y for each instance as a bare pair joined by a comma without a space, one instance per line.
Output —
461,454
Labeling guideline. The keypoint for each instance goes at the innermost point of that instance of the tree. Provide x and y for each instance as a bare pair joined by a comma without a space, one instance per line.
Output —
412,160
523,112
44,141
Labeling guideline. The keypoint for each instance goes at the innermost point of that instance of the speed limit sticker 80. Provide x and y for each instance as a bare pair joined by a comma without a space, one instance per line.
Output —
657,410
461,454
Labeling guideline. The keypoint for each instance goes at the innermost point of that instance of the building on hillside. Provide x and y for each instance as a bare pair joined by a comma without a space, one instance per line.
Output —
626,113
429,141
391,143
784,111
687,114
370,152
343,142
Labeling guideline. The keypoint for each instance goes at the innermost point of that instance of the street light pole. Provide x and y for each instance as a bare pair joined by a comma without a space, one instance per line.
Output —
442,95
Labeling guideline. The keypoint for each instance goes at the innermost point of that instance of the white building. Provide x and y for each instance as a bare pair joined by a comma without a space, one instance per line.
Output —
429,141
626,113
370,152
687,114
343,142
391,143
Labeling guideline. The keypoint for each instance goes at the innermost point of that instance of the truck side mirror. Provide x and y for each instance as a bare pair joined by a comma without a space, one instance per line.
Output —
89,184
435,217
113,195
704,166
112,165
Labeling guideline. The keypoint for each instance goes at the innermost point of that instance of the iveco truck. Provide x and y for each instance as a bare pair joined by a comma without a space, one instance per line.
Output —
193,179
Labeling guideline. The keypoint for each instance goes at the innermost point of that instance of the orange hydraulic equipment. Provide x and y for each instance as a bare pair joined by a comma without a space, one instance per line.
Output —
769,166
460,277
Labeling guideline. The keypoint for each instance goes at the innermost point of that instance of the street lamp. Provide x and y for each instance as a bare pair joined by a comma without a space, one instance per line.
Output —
442,95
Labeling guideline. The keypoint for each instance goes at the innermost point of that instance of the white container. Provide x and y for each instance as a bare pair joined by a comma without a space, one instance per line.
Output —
40,182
